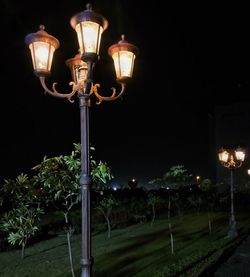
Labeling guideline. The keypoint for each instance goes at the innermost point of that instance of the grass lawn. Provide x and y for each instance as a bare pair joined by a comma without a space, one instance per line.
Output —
140,250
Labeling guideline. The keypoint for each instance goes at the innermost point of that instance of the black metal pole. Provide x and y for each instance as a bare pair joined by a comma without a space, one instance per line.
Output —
85,182
232,232
85,179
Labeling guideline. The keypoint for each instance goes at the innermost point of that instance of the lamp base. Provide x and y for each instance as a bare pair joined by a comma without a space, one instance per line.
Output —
232,231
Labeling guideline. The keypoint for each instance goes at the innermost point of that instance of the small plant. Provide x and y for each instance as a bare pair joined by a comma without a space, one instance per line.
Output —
21,224
105,207
176,177
22,210
152,201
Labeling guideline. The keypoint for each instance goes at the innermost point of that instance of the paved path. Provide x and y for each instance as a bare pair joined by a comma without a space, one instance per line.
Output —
238,265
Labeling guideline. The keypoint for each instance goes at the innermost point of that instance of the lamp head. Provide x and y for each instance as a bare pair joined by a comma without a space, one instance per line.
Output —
123,54
89,27
42,47
223,155
240,154
78,69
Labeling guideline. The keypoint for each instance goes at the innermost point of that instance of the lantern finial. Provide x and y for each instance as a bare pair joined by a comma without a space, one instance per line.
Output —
89,6
41,27
123,38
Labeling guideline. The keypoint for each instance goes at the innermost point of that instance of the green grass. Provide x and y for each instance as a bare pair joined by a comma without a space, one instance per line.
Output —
139,250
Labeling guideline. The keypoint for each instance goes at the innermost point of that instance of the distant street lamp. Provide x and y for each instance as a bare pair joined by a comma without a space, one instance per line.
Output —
89,27
232,161
197,178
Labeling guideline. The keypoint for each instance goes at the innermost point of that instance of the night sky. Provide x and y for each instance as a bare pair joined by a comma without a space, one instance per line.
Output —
192,58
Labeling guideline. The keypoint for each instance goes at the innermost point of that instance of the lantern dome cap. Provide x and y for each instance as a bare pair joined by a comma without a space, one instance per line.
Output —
75,60
89,15
43,36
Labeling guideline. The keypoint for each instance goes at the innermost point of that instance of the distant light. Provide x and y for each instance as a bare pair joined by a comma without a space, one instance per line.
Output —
132,183
167,187
248,171
197,178
114,188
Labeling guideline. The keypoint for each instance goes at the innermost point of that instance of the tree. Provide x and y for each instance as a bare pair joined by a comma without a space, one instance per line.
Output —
14,190
20,223
209,191
23,210
105,207
152,201
177,175
59,178
173,179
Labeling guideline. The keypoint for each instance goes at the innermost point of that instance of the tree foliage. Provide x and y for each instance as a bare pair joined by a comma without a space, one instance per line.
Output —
21,224
173,179
153,200
59,180
105,207
59,177
23,211
176,174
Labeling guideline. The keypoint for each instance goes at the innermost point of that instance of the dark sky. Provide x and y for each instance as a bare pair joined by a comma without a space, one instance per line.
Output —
192,58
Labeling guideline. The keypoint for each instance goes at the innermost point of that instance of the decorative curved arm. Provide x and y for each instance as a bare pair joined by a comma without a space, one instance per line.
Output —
113,97
232,164
78,88
55,93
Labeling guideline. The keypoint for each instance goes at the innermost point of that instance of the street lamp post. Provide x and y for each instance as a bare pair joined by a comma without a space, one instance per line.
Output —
232,162
89,27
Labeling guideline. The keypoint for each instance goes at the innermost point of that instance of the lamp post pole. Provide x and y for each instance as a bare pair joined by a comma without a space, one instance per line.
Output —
85,177
89,26
232,232
85,183
232,162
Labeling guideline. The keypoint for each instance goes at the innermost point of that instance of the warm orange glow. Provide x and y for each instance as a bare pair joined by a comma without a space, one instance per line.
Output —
240,155
89,36
42,55
223,156
124,64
